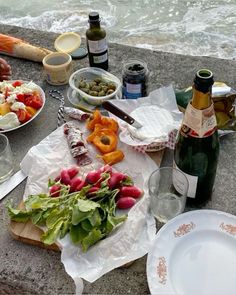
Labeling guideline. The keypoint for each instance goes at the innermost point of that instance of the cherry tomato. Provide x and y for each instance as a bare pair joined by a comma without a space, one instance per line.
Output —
34,101
23,115
17,83
20,97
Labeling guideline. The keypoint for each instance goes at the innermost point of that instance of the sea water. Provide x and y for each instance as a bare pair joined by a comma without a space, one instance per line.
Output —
195,27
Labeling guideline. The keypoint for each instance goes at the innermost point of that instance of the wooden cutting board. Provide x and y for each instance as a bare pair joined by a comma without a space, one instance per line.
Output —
30,234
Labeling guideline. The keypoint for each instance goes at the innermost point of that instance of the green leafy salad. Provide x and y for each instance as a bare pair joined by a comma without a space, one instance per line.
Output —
83,208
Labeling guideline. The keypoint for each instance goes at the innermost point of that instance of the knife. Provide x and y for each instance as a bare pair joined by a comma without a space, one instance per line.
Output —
121,114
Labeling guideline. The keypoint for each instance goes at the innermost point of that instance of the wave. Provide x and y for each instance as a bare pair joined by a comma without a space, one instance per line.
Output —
196,32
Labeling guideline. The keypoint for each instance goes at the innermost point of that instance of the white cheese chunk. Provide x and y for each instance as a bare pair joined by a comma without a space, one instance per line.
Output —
11,98
9,121
17,105
156,123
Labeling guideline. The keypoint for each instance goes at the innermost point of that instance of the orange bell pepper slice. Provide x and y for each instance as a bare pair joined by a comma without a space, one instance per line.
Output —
110,123
93,120
113,157
105,140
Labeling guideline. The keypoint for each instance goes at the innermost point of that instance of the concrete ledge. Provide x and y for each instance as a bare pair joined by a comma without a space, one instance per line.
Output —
25,269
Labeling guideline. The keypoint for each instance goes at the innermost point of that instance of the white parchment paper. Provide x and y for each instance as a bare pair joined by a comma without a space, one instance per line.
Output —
128,242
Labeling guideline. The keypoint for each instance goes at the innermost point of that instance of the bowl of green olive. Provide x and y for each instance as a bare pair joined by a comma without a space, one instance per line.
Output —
95,85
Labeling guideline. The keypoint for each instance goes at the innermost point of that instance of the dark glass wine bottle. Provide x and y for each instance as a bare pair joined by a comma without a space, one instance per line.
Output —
197,146
96,43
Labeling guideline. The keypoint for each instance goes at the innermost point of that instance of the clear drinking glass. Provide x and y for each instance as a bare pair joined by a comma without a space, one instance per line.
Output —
168,192
6,159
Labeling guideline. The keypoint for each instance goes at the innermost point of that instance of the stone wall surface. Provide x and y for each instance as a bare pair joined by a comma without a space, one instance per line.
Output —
25,269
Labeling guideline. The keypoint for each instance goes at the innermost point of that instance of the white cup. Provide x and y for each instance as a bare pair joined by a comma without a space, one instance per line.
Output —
57,67
6,159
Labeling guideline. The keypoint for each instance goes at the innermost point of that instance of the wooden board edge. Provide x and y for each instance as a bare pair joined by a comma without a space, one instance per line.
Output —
25,240
16,230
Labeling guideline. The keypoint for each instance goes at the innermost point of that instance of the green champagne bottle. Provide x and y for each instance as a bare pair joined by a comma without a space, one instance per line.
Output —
96,43
197,146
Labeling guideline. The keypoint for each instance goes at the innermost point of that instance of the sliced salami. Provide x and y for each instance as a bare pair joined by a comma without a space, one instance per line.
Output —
84,160
76,144
76,114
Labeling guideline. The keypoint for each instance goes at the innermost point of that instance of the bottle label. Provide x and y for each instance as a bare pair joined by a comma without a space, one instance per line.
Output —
198,123
97,46
100,59
179,184
133,91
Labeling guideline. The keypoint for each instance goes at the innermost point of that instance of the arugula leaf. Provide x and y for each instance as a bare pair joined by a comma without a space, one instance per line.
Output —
65,228
37,217
113,221
86,225
87,205
18,215
55,214
94,236
95,219
78,216
51,235
77,233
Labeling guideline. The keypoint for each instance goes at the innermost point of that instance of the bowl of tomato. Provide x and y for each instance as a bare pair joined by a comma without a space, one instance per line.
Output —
20,103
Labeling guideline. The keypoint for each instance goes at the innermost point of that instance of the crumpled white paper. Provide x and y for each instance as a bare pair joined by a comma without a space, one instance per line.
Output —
126,243
163,98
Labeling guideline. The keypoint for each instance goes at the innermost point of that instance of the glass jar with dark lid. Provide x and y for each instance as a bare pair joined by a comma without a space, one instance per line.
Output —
135,79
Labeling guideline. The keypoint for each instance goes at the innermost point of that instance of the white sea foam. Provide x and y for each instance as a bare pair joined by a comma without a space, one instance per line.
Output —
181,26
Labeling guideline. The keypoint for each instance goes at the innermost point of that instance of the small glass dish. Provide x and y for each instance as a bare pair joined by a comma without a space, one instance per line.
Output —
88,75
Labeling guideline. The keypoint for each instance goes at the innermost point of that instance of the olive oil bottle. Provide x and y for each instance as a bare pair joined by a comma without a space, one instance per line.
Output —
96,43
197,146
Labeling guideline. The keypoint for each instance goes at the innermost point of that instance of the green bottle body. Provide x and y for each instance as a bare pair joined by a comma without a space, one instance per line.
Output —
197,145
198,158
97,46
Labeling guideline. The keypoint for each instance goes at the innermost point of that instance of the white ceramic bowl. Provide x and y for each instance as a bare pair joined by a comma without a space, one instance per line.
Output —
42,94
89,74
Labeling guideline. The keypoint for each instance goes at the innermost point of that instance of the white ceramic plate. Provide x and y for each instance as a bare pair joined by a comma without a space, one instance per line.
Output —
194,254
42,94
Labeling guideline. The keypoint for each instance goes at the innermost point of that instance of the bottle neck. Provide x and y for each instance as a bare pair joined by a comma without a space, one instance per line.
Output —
201,100
94,25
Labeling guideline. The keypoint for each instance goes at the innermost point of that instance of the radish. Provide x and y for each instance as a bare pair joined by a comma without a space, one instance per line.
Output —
57,178
92,191
125,202
80,186
55,191
73,171
74,183
107,169
65,178
131,191
115,179
93,176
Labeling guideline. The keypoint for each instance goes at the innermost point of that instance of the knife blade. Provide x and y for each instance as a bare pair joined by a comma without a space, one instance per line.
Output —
107,105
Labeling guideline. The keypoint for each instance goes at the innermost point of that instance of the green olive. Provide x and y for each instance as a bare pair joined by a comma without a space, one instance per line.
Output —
82,84
96,88
104,88
101,93
111,86
93,93
86,90
110,91
92,84
97,80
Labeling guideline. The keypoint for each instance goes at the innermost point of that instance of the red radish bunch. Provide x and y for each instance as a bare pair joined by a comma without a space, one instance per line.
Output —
127,195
